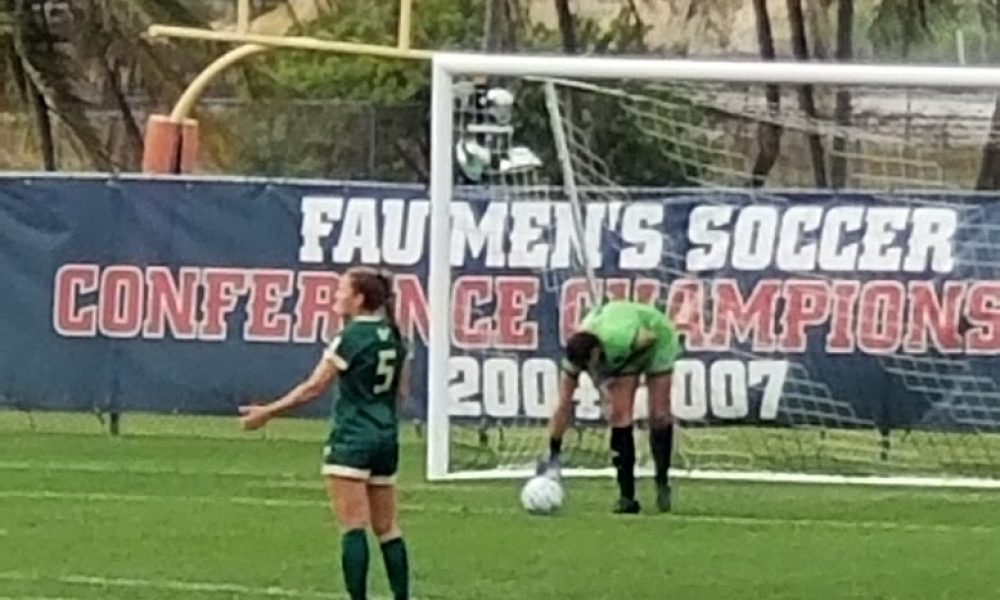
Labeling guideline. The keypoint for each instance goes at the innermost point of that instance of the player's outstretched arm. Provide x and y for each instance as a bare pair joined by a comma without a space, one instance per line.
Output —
256,416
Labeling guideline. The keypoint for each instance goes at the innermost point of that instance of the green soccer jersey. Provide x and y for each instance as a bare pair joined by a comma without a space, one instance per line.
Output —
617,325
369,355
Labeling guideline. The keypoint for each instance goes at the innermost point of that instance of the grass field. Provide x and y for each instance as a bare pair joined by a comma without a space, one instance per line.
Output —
189,507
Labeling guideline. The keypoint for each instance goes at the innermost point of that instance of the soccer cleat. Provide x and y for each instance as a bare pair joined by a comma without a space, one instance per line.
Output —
663,500
627,506
551,468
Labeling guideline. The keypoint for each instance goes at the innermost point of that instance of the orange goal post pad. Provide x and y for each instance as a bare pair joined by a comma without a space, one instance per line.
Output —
171,147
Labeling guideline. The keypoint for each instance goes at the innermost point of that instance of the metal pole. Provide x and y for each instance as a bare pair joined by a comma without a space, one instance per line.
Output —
405,12
607,67
242,16
294,42
197,87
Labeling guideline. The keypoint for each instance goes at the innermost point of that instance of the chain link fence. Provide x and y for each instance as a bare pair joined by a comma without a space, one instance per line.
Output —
310,139
362,141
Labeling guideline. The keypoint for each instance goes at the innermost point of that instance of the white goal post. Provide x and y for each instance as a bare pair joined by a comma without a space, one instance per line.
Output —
600,75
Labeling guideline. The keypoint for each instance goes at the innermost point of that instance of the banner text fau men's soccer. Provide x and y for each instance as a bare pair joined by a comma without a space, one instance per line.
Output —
844,310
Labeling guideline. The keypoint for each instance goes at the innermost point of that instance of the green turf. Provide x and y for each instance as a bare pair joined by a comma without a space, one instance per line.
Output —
189,507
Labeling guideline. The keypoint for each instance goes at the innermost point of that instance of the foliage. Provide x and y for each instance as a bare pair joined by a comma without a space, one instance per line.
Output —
634,157
361,94
89,55
926,30
438,24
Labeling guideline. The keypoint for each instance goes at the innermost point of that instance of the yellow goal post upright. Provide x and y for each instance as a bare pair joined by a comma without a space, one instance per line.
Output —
488,403
171,141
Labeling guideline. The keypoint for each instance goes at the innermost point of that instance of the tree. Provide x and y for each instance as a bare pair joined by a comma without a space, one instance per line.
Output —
630,147
819,28
989,163
567,26
40,72
500,26
64,60
325,138
842,109
352,99
900,27
768,132
807,101
110,40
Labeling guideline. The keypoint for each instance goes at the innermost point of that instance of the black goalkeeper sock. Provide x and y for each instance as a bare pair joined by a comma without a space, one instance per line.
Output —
623,458
555,447
661,445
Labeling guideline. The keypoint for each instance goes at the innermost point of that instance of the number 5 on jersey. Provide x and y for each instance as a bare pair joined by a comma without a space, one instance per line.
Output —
385,371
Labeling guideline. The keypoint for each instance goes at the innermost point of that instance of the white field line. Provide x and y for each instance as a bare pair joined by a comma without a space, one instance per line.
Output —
146,499
463,510
278,480
272,480
173,585
316,484
107,467
38,598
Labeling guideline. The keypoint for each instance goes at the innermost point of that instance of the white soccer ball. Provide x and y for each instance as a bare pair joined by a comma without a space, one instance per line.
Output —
541,495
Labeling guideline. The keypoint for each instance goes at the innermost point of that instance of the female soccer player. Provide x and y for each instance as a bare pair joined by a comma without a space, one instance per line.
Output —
368,360
616,343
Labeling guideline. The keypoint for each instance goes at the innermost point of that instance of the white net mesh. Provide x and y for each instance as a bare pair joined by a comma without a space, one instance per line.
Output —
790,366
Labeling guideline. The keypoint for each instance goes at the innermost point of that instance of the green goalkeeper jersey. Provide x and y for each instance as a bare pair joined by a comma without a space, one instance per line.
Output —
617,325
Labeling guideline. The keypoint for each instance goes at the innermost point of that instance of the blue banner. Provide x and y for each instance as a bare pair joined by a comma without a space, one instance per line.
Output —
192,295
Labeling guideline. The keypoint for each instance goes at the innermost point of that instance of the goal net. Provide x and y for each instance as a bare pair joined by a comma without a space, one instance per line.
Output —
812,235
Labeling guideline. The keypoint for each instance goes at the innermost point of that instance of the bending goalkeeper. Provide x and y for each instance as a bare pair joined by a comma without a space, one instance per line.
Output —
616,344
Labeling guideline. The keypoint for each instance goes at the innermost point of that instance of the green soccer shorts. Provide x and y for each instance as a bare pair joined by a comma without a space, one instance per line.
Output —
371,460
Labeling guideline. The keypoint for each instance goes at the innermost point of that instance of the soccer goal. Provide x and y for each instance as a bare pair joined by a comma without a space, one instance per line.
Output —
810,228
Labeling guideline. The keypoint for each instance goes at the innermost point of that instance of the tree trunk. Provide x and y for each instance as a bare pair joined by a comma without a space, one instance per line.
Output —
989,165
819,28
567,26
18,76
807,102
39,105
638,27
915,23
567,31
499,27
768,132
43,125
133,158
842,110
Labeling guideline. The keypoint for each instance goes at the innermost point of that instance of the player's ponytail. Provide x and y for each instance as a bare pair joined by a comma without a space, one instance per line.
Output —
389,300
